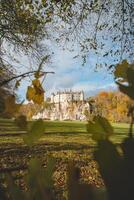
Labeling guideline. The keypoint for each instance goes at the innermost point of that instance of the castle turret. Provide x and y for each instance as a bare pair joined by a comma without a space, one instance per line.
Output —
81,96
52,98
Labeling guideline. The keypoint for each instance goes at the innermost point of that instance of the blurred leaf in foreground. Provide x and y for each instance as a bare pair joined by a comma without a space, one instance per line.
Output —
14,191
35,132
124,76
121,70
21,122
39,180
100,128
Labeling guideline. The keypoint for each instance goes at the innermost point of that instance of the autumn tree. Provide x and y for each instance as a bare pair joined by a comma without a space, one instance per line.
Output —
21,29
6,90
24,23
113,105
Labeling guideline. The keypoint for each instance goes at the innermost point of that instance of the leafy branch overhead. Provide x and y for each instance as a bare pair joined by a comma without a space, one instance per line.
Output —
24,24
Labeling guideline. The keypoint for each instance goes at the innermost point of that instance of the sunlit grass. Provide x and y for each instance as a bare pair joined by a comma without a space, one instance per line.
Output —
60,132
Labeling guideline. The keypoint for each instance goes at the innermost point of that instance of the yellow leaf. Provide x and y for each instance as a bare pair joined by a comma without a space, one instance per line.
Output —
121,70
38,98
36,83
30,93
35,93
17,84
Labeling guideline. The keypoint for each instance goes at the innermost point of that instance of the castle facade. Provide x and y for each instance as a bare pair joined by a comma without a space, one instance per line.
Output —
67,96
67,105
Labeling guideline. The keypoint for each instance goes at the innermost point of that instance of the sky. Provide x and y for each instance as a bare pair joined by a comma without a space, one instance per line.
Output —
70,74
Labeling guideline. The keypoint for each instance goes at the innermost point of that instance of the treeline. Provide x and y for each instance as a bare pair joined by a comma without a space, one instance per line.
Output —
112,105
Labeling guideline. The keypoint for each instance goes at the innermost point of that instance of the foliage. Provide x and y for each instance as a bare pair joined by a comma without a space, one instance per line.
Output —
21,122
113,106
100,128
124,73
24,23
29,110
38,182
21,28
4,93
35,131
35,92
11,107
76,190
6,90
116,169
87,114
101,27
19,25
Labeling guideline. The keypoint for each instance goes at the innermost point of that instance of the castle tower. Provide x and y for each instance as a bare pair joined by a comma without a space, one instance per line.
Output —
81,96
52,98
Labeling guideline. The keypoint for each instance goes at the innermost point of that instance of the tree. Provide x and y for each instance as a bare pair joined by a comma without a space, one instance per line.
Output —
21,27
6,90
102,27
113,106
90,23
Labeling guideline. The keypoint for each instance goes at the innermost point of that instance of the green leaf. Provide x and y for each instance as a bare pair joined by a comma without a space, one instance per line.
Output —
100,128
49,172
130,75
128,88
39,179
15,192
121,70
35,132
35,179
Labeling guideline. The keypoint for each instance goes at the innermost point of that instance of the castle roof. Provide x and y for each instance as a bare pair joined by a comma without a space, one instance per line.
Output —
68,92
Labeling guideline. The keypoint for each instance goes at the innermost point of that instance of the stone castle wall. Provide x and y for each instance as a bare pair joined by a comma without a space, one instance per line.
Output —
65,106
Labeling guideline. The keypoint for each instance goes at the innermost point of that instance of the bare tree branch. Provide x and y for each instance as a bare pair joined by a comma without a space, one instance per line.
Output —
24,75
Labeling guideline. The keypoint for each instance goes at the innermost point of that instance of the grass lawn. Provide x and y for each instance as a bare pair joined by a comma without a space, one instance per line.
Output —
63,140
61,132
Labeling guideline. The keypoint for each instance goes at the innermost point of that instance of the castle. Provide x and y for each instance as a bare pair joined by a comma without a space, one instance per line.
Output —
67,96
66,105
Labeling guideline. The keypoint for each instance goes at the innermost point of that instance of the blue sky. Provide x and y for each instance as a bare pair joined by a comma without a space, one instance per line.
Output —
70,74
